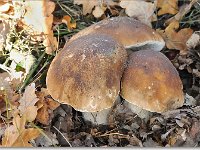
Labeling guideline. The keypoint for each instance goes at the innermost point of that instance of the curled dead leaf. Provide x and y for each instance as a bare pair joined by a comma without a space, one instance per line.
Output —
141,10
99,11
39,22
176,40
17,136
67,20
167,7
46,106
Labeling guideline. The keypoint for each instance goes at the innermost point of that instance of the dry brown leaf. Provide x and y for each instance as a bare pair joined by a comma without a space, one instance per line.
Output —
17,136
67,20
167,7
139,9
40,22
27,103
176,40
89,5
46,107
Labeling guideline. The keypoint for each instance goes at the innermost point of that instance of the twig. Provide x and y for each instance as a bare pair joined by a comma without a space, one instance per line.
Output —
62,136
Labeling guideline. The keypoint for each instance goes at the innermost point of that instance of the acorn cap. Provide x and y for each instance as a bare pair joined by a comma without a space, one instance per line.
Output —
128,31
151,82
86,74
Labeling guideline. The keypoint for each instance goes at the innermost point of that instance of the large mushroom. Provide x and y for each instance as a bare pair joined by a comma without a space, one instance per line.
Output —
151,83
86,74
132,33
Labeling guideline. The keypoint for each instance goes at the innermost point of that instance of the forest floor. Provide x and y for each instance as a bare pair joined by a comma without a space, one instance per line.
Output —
30,117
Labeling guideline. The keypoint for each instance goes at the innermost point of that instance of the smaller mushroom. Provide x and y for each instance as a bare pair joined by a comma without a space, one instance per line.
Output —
151,83
131,33
86,75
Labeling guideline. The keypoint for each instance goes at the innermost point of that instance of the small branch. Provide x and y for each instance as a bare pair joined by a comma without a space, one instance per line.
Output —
62,136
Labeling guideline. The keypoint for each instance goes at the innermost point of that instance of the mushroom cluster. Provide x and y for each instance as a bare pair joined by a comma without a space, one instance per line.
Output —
114,58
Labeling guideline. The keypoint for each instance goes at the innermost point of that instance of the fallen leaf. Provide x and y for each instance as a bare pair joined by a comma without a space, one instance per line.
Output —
89,5
167,7
194,40
17,136
99,11
45,107
39,22
27,103
139,9
176,40
67,20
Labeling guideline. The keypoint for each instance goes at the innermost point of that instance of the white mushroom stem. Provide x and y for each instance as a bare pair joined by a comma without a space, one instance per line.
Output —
100,117
142,113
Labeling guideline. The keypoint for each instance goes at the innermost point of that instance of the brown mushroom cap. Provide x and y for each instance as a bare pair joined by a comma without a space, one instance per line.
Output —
129,31
151,82
86,74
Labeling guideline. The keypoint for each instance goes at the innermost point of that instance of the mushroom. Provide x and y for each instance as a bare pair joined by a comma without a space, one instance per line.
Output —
151,83
131,33
86,74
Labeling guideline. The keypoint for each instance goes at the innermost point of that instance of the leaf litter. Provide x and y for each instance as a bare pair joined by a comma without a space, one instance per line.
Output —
31,117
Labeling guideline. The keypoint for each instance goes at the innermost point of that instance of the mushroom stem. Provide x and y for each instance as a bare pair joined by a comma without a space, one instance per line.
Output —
142,113
100,117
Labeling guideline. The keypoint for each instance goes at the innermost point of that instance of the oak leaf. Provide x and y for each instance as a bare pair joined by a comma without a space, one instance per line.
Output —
139,9
17,135
38,19
176,40
167,7
27,103
46,106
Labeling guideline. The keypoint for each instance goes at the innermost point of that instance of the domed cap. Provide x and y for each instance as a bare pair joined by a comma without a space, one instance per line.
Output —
129,31
86,74
151,82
